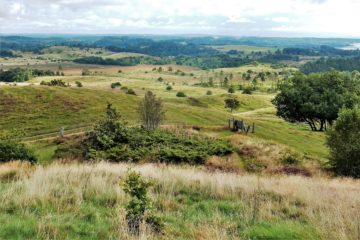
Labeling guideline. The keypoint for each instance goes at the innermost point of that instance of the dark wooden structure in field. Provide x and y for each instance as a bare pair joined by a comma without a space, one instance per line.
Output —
241,126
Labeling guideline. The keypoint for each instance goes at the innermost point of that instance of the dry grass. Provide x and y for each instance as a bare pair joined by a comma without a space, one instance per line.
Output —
331,205
13,170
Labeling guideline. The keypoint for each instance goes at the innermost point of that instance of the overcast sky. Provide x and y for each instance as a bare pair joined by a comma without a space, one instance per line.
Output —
319,18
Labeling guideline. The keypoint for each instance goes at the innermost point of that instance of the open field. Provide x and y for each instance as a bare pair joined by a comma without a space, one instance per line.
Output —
244,48
44,110
85,201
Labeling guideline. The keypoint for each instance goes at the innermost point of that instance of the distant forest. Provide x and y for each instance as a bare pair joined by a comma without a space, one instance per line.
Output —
198,51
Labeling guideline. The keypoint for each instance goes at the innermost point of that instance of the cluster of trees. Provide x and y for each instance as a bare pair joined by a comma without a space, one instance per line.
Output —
58,83
316,99
321,51
22,75
126,61
340,64
7,53
332,99
148,46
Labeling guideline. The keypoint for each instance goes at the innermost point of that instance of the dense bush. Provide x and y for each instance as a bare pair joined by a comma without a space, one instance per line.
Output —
165,146
55,83
115,85
344,143
10,150
22,75
113,140
247,90
180,94
130,91
79,84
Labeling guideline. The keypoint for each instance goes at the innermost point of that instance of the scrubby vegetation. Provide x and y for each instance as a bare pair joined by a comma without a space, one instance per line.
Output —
180,94
11,150
113,140
115,85
56,83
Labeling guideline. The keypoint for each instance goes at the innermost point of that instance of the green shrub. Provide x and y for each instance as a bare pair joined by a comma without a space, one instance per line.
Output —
55,83
130,91
78,84
208,92
344,143
115,85
10,150
108,132
112,140
180,94
247,90
168,87
139,208
290,159
231,90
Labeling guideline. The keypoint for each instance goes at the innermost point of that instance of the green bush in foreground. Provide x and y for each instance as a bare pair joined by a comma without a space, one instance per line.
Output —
139,208
344,143
10,150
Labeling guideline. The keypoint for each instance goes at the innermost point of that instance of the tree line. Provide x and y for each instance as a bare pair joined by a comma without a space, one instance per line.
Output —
22,75
325,64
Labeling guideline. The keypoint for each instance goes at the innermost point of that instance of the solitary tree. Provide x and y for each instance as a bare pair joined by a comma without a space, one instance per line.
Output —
232,104
316,99
151,111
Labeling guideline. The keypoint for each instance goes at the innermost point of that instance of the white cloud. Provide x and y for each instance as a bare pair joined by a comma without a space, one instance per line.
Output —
334,17
280,19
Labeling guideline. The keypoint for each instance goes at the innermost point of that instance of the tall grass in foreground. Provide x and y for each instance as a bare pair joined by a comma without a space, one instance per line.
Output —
66,201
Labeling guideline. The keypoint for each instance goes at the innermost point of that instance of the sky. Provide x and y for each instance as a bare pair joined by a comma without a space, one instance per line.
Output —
277,18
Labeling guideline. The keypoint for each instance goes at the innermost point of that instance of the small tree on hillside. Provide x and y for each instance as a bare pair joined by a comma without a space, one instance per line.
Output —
108,132
151,111
232,104
344,143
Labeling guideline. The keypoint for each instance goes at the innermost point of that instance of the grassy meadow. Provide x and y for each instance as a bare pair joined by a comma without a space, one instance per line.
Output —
246,195
85,201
